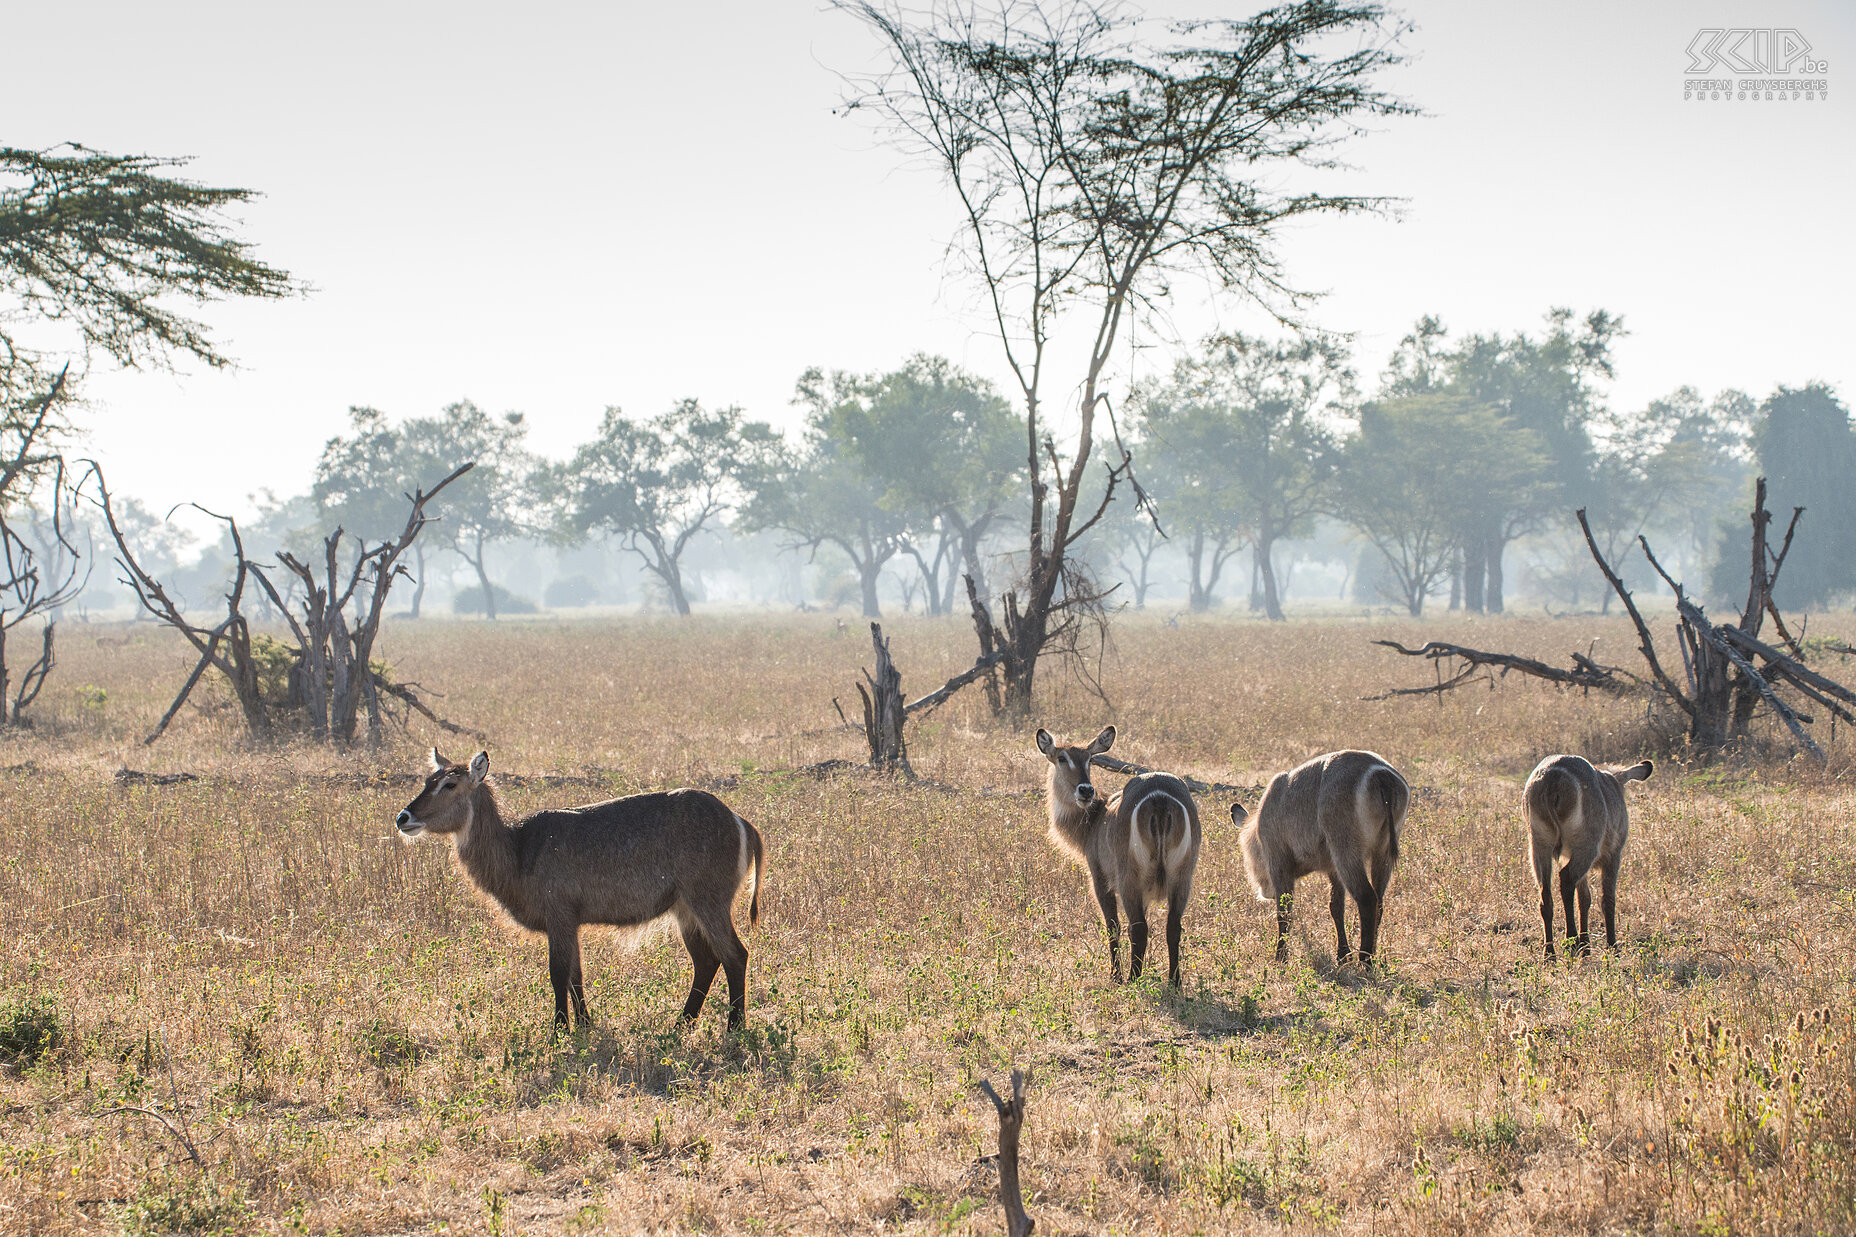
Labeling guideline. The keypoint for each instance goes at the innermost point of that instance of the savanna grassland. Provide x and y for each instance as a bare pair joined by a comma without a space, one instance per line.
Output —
328,1031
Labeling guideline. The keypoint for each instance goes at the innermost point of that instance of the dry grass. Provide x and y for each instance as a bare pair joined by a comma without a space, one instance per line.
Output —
354,1042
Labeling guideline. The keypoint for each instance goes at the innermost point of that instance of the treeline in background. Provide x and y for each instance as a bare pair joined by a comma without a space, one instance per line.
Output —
1280,485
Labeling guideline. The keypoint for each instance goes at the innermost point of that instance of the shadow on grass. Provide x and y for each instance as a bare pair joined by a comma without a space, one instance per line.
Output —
652,1059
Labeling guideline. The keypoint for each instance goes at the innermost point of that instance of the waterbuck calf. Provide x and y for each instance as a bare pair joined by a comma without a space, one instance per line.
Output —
624,862
1340,815
1142,844
1577,817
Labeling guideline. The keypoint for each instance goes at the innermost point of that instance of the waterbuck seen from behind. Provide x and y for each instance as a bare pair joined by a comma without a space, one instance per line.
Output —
1577,819
1340,815
624,862
1140,846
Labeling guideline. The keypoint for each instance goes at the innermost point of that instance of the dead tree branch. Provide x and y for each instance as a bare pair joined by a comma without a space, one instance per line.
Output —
1645,643
404,692
942,694
1114,765
335,623
1011,1122
1585,672
1699,623
884,711
1724,686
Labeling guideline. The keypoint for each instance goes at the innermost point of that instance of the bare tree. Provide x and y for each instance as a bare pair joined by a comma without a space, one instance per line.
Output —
1091,168
95,249
335,622
34,579
1728,669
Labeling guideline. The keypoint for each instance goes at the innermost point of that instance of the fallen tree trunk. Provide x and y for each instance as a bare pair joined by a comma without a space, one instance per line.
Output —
1723,686
1585,672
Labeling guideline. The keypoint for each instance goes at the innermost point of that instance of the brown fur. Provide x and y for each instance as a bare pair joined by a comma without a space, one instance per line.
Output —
1339,815
1577,819
624,862
1140,846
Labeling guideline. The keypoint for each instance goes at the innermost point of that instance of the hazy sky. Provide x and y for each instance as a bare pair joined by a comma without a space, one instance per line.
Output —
554,208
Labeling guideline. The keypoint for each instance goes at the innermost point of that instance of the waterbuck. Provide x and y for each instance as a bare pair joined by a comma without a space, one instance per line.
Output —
625,862
1340,815
1143,844
1576,817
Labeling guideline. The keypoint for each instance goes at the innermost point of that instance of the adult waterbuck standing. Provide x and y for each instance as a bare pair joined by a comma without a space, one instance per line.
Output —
1340,815
625,862
1577,819
1141,844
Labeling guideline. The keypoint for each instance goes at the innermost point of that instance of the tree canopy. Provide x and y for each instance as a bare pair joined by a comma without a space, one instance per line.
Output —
1093,163
658,484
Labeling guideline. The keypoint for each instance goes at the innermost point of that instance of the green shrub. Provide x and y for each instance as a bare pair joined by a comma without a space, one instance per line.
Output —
577,590
470,601
29,1029
170,1204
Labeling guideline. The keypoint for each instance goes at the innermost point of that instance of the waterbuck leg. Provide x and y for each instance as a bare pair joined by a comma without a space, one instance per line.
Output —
1569,884
576,990
1285,912
1370,909
704,960
1111,922
1175,915
1543,875
1608,902
1337,907
1382,881
1585,912
1137,936
735,966
1367,899
563,961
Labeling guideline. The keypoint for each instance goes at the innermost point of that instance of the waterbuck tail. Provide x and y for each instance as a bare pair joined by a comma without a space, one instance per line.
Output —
757,853
1395,797
1256,866
1554,796
1161,814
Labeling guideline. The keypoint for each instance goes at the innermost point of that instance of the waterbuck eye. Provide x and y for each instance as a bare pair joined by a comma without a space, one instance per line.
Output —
448,785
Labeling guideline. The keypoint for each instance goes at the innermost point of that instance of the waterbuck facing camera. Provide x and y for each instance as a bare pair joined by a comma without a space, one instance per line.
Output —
1140,845
624,862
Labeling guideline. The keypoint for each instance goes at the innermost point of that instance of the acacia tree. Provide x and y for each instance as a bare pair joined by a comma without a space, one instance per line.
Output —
1415,474
494,502
1278,405
1093,166
363,479
934,445
658,484
95,249
1188,448
1546,388
831,490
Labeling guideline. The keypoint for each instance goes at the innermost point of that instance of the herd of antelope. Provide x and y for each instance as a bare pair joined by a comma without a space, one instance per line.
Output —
685,855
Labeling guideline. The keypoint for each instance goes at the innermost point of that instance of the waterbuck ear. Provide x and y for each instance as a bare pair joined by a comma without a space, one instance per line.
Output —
439,763
1238,814
479,768
1103,741
1045,742
1640,772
